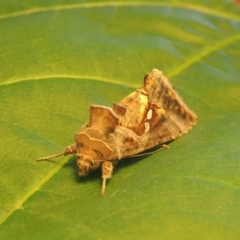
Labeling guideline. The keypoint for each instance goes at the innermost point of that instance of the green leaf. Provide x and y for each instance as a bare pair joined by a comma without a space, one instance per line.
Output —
59,57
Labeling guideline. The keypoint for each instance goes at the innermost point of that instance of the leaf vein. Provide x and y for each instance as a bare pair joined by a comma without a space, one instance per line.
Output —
204,52
65,7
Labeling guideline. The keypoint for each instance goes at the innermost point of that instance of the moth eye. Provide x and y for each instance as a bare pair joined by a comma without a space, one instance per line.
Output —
147,127
149,114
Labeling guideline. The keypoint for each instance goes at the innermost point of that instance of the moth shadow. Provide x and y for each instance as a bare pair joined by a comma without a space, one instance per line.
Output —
128,161
122,163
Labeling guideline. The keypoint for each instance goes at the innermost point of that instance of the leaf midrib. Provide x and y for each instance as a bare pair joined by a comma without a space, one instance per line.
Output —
24,198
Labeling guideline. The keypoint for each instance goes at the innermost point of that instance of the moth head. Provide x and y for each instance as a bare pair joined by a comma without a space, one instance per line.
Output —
86,164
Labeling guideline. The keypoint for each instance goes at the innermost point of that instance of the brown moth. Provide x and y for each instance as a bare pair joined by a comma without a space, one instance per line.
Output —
151,116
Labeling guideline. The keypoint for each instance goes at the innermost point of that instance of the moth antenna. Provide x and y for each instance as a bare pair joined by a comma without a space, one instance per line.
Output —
149,153
68,150
49,157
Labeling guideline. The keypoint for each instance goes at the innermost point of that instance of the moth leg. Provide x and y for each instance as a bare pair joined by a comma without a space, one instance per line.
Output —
107,169
165,146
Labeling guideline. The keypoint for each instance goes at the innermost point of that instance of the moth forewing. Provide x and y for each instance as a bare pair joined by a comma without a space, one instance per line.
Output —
151,116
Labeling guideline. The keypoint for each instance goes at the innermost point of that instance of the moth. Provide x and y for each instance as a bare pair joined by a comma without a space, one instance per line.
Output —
150,116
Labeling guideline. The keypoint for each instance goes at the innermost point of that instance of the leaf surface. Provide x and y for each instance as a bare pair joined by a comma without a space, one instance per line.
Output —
59,57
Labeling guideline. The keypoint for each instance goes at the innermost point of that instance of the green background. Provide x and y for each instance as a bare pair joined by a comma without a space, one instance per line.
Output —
58,57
